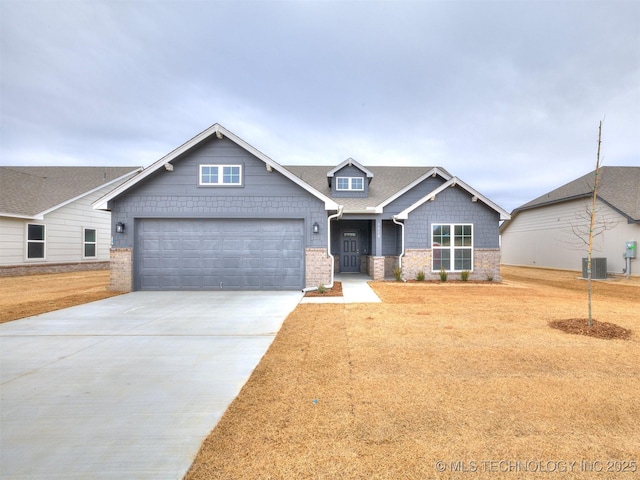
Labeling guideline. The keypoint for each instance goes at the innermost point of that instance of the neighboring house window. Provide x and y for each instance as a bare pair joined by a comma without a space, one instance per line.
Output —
89,243
350,183
452,247
35,241
220,175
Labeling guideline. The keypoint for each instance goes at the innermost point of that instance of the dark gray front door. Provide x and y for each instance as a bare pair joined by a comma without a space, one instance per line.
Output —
210,254
350,252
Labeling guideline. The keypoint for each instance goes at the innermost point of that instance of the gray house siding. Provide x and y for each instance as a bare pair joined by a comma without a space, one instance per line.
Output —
412,196
176,194
349,171
452,205
265,200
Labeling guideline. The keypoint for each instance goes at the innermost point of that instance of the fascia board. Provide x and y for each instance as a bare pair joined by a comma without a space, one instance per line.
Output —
329,204
78,197
403,215
434,171
23,217
453,181
504,215
102,204
350,161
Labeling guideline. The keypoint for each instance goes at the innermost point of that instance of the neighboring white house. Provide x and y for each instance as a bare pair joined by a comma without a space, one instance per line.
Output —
47,223
542,232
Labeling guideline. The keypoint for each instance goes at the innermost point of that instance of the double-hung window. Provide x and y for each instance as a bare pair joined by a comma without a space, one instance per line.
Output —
89,242
452,247
35,241
350,183
220,175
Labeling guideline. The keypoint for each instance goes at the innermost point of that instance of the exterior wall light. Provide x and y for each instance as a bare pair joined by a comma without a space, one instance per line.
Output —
119,227
316,228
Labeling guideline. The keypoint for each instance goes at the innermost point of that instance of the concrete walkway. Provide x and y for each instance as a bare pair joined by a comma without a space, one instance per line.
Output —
355,289
130,386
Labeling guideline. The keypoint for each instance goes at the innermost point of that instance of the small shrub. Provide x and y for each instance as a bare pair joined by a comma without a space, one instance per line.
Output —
420,276
443,275
464,276
397,273
322,288
489,277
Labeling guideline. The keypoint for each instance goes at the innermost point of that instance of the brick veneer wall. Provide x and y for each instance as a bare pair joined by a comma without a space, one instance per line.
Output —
38,269
486,265
121,269
318,267
376,268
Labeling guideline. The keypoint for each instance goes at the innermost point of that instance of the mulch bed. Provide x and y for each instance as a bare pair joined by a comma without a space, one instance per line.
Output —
579,326
335,291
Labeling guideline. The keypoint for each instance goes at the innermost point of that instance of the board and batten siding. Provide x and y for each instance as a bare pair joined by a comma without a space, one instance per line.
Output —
176,194
543,237
64,234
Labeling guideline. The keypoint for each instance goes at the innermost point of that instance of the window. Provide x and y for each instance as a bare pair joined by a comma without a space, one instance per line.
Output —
35,241
350,183
220,175
89,243
452,247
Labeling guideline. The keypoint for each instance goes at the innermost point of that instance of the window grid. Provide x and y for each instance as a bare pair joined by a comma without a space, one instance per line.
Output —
350,183
220,175
452,254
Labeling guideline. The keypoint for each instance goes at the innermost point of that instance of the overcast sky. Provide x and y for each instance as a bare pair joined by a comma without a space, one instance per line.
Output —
505,95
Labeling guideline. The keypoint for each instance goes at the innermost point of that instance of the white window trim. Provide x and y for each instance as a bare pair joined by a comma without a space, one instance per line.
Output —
350,187
452,248
220,182
27,242
85,243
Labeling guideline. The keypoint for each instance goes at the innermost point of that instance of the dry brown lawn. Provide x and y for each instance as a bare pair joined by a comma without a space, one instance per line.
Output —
35,294
442,381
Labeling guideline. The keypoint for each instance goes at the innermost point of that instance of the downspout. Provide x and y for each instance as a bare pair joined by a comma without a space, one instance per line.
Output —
394,218
329,218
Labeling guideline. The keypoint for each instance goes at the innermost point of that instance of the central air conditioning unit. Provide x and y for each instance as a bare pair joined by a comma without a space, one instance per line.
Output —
598,268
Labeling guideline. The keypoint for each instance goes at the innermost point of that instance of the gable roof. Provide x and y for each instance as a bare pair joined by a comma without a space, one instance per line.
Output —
390,183
32,192
453,182
348,162
220,132
618,187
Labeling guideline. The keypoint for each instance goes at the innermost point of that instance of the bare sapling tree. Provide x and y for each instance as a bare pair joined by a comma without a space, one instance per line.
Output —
592,221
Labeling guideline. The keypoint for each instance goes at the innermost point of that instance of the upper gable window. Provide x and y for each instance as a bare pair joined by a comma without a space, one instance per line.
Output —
350,183
220,175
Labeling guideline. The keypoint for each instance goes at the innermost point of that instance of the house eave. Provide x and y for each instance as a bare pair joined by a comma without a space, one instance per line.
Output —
220,132
452,182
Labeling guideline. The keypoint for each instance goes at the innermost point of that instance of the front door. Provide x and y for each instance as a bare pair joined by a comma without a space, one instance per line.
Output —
350,252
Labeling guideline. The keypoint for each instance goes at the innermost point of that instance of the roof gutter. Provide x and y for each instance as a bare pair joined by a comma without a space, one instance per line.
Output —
395,220
338,216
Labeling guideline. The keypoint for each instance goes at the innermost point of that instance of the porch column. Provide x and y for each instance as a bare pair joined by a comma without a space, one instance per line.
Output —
378,244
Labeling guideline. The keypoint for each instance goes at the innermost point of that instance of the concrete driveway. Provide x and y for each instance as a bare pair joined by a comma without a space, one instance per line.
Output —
130,386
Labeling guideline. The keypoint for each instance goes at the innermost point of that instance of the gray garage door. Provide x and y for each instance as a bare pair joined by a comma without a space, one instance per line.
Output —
207,254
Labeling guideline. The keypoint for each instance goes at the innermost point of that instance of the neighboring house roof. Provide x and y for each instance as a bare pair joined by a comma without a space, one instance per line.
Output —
32,192
220,132
618,187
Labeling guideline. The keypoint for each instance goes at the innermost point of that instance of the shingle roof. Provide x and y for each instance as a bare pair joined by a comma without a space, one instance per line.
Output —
29,191
618,186
387,181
